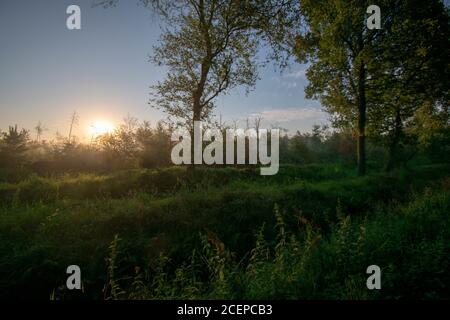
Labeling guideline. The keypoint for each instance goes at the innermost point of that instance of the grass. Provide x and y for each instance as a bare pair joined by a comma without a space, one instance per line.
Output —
203,236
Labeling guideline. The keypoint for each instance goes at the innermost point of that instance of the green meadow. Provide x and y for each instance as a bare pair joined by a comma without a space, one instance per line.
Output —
309,232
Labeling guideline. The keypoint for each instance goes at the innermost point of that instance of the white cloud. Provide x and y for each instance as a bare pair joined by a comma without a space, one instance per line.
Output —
291,80
292,114
298,74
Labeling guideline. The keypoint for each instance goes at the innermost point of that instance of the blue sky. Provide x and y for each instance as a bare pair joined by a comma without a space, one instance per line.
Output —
103,72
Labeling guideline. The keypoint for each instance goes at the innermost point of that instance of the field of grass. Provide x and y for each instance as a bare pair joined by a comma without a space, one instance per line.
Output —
307,233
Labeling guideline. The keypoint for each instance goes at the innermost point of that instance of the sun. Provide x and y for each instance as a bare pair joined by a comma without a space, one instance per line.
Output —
100,127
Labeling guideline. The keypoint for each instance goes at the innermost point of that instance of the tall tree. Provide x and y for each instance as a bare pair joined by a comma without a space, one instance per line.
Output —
374,77
208,50
410,71
338,45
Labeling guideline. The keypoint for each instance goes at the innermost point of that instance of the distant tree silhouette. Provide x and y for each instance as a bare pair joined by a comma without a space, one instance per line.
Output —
74,120
39,129
13,147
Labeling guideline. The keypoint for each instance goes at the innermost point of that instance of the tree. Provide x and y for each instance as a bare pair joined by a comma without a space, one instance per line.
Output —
338,45
120,146
379,77
208,51
209,48
74,120
411,73
429,129
13,147
39,131
155,145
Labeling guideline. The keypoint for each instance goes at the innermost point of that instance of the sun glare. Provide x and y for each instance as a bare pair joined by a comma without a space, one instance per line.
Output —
100,127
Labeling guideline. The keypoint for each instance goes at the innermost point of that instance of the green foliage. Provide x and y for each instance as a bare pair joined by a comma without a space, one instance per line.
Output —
302,264
374,81
13,145
112,289
305,247
208,49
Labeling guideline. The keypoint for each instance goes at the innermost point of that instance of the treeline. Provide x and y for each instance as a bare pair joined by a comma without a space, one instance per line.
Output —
141,145
131,145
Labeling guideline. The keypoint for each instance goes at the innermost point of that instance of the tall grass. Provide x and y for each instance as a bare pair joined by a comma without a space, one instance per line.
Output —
409,242
328,225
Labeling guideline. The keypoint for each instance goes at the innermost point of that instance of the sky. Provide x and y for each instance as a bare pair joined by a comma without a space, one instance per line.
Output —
103,71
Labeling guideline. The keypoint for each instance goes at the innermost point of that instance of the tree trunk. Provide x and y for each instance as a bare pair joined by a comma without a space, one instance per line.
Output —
393,146
361,144
204,70
196,117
